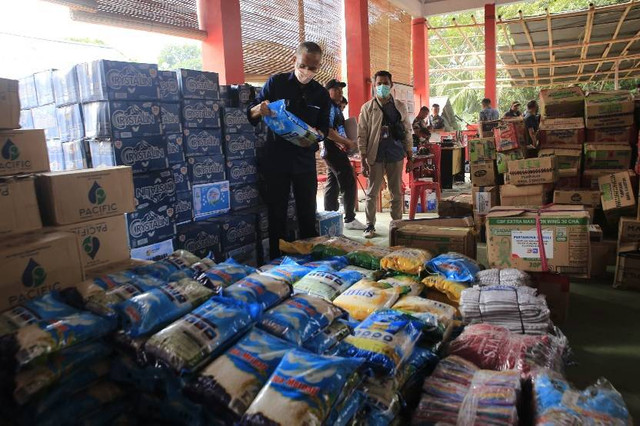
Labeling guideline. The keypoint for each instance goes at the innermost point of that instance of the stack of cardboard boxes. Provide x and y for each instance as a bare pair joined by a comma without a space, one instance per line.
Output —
627,275
484,178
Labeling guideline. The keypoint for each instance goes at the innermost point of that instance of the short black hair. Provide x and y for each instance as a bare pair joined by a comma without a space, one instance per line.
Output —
308,47
344,101
486,101
532,104
383,73
424,108
435,106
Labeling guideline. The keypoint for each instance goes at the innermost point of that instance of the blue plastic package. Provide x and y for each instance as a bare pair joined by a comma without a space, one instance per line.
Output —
258,292
335,262
345,411
326,342
150,311
289,270
45,307
300,259
193,271
327,284
224,274
199,336
180,259
290,127
454,267
300,318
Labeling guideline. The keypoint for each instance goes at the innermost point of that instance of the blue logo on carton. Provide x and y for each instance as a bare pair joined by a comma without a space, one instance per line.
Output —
34,274
10,151
203,142
97,194
132,116
210,199
130,77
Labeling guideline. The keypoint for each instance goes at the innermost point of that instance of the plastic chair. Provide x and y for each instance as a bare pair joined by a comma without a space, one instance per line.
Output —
424,166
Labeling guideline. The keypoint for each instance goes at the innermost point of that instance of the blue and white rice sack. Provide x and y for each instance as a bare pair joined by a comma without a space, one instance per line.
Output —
335,262
289,271
326,284
258,292
46,307
224,274
454,267
291,127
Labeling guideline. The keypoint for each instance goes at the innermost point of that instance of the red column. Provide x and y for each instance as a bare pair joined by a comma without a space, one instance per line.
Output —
356,14
420,46
490,90
222,49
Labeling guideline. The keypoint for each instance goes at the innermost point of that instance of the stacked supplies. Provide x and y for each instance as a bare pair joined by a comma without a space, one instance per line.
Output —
508,277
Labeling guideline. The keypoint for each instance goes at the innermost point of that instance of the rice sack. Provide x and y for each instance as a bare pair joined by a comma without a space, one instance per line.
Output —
325,283
454,267
366,296
259,292
193,271
326,342
368,257
410,285
179,259
224,274
451,289
302,246
336,262
366,273
335,246
406,260
105,303
45,307
289,271
416,305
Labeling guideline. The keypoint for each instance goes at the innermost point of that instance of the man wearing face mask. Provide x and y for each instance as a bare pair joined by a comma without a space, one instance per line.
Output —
285,165
384,140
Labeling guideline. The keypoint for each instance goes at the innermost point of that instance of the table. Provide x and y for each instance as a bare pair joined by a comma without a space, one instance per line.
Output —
451,164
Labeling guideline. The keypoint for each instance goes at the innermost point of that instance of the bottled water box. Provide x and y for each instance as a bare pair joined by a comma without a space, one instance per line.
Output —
27,92
246,254
236,121
44,117
141,154
168,86
151,225
184,207
175,149
211,199
44,87
200,114
70,124
56,155
170,117
117,119
118,81
102,153
244,196
202,142
198,84
154,189
242,171
237,230
65,86
26,119
181,177
206,169
239,145
74,155
201,238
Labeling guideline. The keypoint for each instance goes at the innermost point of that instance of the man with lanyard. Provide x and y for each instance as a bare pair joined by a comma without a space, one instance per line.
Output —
421,133
284,164
436,121
384,140
340,180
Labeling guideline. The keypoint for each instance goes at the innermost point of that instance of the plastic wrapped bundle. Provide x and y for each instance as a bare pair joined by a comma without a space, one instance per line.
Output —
327,342
327,284
224,274
336,246
407,261
368,257
455,267
46,307
366,273
496,348
302,246
335,262
503,277
418,305
179,259
259,292
289,270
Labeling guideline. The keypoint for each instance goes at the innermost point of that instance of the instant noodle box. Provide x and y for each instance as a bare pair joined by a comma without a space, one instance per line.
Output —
612,134
607,156
36,264
528,195
616,192
560,132
19,205
562,102
23,151
503,159
438,239
628,235
590,177
533,171
608,109
513,239
9,104
569,160
585,197
483,149
483,173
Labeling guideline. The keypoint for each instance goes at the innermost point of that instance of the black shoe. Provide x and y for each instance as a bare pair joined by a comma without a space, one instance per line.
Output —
370,231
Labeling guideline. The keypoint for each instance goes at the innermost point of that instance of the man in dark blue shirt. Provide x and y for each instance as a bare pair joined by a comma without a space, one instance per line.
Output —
285,165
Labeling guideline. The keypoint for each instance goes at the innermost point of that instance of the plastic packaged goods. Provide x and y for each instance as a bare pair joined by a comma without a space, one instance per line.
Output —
368,257
365,297
193,271
411,285
150,311
335,246
258,292
366,273
326,284
300,318
303,390
290,127
415,305
231,382
407,260
451,289
45,307
557,402
496,348
162,269
327,341
105,303
506,277
143,378
302,246
289,270
454,267
336,262
196,338
224,274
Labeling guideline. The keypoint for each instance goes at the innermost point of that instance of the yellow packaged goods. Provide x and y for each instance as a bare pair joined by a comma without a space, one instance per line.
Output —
416,305
562,102
483,173
365,297
406,260
608,109
533,171
9,104
569,160
609,156
19,206
483,149
302,246
368,257
617,192
451,289
561,132
528,195
585,197
23,151
336,246
409,284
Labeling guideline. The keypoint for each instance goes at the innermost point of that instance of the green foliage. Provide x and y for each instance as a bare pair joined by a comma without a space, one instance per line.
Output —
180,56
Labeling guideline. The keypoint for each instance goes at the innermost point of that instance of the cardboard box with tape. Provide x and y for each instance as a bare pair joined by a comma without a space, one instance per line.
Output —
561,132
23,151
608,156
533,171
569,160
503,158
528,195
483,173
608,109
19,206
566,102
455,205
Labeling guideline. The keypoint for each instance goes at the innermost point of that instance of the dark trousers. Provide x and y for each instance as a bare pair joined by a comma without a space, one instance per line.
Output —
341,182
278,186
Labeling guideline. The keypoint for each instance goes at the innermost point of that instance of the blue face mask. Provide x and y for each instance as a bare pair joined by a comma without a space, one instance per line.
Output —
383,90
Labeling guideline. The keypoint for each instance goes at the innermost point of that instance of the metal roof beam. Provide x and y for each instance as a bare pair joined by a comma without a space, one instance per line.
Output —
608,8
467,41
587,35
552,57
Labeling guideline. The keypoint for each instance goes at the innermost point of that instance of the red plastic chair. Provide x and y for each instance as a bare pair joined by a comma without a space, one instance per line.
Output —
424,166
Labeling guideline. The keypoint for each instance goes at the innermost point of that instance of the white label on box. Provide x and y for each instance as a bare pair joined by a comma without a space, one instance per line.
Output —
155,251
524,244
483,202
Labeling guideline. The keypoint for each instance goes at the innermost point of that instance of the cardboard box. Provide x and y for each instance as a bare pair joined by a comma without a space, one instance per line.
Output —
528,195
103,80
23,151
236,230
151,225
483,173
175,149
616,191
484,198
556,290
533,171
601,251
198,84
438,239
66,89
242,171
183,207
169,90
96,193
584,197
153,252
608,109
211,199
590,177
612,135
181,177
9,104
170,117
200,114
121,120
628,235
35,264
569,160
202,142
456,205
141,154
236,121
246,254
239,145
154,189
102,241
503,159
483,149
595,233
627,275
201,239
456,222
607,156
513,242
207,169
560,132
485,128
564,102
329,223
19,206
509,135
569,182
244,196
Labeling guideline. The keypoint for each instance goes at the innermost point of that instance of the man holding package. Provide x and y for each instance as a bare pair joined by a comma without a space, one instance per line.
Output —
384,139
284,164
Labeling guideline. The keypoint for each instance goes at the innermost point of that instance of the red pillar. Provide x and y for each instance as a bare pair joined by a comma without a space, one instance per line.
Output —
420,46
490,90
222,49
356,14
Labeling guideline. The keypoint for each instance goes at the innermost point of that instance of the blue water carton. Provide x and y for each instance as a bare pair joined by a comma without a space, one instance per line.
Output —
66,89
239,145
206,169
149,226
237,229
56,155
26,119
236,121
168,86
244,196
242,171
211,199
102,153
70,124
291,127
153,252
198,84
200,114
181,177
44,87
142,154
183,207
27,92
201,238
75,157
329,223
170,117
154,189
228,96
104,80
246,254
246,94
175,149
117,120
202,142
44,117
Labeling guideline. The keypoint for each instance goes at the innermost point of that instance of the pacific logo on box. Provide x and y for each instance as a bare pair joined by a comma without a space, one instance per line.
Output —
34,274
128,76
91,245
98,196
134,117
11,153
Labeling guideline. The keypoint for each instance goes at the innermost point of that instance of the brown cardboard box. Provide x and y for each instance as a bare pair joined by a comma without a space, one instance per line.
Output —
608,156
529,195
23,151
438,240
612,135
608,109
533,171
569,160
570,182
483,173
456,205
512,239
9,104
584,197
484,198
628,235
601,251
102,241
560,132
35,264
19,206
616,191
590,178
503,158
595,233
509,135
483,149
455,222
96,193
563,102
485,128
627,271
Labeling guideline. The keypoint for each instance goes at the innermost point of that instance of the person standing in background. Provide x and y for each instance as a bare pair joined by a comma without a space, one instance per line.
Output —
421,133
488,113
285,164
341,179
514,111
436,121
384,140
532,123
